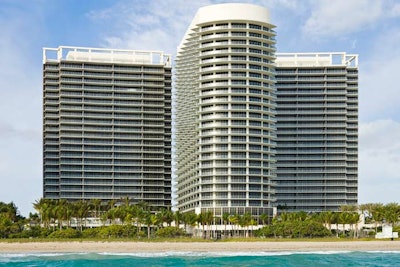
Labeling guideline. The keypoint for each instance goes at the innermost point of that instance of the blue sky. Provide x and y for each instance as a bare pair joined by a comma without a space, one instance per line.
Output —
370,28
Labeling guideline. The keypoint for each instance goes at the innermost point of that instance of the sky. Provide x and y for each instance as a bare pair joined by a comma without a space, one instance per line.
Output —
369,28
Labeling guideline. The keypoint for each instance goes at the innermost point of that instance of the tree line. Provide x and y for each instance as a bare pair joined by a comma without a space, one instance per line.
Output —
122,218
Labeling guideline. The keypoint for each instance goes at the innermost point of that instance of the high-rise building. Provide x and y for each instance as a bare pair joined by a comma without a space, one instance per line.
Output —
225,127
317,131
107,125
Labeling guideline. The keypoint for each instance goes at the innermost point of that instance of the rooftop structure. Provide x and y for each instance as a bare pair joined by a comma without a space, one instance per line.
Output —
105,55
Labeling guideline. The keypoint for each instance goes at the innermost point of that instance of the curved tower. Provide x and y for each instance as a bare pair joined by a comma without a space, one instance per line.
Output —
225,127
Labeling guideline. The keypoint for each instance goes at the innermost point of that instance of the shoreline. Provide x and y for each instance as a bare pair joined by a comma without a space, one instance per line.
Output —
156,247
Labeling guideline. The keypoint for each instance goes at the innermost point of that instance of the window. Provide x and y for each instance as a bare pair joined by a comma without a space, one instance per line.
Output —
239,114
255,59
238,90
255,91
239,25
238,138
241,58
238,106
255,75
255,99
238,98
239,122
254,67
257,51
238,147
254,26
255,43
254,115
238,155
254,147
253,34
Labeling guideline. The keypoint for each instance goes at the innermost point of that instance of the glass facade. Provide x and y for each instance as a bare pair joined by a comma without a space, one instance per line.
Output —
317,131
107,126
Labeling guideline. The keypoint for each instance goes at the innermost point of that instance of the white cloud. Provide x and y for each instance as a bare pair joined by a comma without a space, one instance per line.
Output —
161,24
394,11
20,104
331,18
379,90
379,161
156,25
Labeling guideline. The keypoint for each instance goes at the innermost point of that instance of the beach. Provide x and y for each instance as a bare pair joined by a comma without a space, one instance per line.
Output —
140,247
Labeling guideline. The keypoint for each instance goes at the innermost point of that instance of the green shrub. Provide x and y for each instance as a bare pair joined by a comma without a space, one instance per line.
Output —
65,233
44,232
33,232
371,234
170,232
298,229
90,232
266,231
117,231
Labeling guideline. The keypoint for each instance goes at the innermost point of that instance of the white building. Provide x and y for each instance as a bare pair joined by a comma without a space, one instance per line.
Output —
387,232
226,111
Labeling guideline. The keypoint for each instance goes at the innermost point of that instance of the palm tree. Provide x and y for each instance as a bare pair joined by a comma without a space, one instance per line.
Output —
149,218
205,218
139,214
327,217
234,220
111,204
125,201
189,218
348,208
209,217
95,205
392,213
264,218
81,211
354,219
285,216
43,207
225,219
245,222
60,212
377,214
201,218
253,222
177,218
167,216
344,218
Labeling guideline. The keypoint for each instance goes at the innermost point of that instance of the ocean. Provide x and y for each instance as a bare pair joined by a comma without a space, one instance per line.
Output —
309,259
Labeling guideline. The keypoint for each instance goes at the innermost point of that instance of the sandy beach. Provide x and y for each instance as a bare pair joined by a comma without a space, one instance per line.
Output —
137,247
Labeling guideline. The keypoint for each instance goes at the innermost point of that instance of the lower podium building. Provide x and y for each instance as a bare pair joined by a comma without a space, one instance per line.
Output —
107,125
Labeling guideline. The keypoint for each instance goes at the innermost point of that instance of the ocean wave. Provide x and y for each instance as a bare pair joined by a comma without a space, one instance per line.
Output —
217,254
24,257
384,251
6,257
